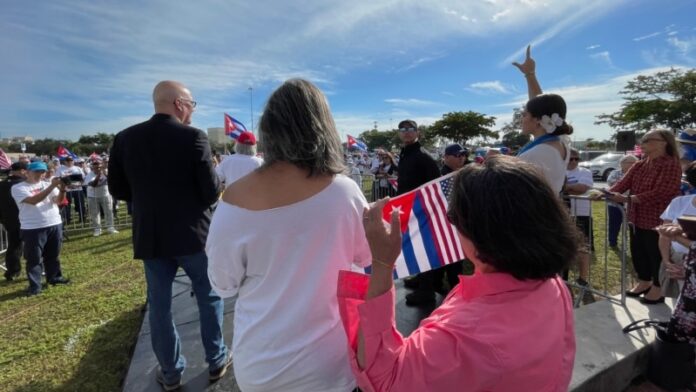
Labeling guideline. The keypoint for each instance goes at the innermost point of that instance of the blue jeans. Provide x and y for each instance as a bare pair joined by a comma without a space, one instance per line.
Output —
160,274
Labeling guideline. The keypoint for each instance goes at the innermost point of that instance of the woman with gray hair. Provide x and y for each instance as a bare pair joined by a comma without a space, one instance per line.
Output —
277,241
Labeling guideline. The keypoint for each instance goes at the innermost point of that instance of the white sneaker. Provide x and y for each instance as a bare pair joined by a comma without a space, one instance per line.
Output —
112,231
97,233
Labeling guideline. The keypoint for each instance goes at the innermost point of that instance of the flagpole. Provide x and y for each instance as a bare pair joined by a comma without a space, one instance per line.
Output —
251,107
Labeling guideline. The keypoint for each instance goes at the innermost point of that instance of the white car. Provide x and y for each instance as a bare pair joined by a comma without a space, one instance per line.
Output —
602,165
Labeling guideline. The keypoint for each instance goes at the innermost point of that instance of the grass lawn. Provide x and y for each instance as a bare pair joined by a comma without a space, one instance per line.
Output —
77,337
613,256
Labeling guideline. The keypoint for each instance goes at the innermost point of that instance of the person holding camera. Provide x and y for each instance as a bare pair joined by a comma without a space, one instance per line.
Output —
73,177
98,197
40,225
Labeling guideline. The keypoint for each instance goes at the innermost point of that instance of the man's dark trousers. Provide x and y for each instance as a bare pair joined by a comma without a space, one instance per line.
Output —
14,252
42,243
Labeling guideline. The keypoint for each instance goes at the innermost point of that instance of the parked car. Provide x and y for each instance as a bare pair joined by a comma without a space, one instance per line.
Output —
588,155
602,165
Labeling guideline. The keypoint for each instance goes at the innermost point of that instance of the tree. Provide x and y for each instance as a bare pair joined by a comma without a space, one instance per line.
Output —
665,99
462,126
512,131
374,138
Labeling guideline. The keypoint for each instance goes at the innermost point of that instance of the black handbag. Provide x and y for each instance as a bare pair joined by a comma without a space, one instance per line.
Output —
671,363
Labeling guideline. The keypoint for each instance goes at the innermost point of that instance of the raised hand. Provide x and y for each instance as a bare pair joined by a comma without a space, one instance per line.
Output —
529,65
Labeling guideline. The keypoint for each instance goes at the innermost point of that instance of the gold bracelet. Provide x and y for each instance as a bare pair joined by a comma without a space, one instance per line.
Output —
383,263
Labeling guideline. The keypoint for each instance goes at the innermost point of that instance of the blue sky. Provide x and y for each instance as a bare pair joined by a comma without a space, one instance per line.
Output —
81,67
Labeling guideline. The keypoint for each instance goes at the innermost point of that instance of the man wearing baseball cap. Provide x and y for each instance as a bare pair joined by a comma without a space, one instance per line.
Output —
41,226
243,162
455,158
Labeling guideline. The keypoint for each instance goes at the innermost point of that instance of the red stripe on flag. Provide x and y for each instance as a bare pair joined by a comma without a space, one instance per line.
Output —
444,240
435,231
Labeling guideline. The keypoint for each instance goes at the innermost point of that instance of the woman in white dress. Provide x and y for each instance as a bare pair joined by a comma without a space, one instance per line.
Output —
277,240
544,118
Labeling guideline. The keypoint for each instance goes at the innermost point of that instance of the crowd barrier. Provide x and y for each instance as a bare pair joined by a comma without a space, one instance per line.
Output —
606,288
122,219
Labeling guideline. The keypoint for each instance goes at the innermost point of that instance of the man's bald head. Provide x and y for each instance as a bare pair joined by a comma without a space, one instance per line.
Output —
173,98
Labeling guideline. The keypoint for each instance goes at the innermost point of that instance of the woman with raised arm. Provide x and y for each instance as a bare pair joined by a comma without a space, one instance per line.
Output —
544,118
509,327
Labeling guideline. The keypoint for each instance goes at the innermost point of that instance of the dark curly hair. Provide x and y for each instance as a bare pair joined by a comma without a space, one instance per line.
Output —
517,223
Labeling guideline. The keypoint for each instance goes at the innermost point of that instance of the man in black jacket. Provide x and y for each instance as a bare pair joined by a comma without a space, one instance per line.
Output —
416,168
9,217
171,215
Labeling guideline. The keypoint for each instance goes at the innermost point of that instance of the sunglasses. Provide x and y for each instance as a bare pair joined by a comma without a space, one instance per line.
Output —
574,158
410,129
651,139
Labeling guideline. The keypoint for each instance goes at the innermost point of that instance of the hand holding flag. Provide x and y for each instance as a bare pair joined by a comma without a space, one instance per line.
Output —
385,245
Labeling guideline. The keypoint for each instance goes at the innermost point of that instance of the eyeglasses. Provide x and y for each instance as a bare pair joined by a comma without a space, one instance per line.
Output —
574,158
410,129
191,102
651,139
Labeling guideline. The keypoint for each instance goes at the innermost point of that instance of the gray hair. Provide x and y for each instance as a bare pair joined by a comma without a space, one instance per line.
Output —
245,149
628,158
297,127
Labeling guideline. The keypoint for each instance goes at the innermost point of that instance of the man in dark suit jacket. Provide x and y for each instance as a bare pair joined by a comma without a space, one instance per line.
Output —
9,217
171,215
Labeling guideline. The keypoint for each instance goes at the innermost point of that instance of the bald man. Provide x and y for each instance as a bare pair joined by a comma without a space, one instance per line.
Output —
171,215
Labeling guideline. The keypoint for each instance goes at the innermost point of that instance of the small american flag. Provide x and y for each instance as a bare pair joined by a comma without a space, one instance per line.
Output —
5,161
428,241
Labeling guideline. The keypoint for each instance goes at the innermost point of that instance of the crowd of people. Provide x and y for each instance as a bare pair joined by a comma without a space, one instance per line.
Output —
285,235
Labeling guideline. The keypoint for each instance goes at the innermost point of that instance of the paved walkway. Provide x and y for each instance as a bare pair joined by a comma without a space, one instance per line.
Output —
141,374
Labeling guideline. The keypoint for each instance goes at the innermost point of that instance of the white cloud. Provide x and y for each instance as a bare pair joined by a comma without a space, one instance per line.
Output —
673,33
604,57
500,14
644,37
494,86
591,47
684,47
409,102
564,20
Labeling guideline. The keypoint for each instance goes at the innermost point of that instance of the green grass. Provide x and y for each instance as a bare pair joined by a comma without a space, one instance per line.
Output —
612,260
77,337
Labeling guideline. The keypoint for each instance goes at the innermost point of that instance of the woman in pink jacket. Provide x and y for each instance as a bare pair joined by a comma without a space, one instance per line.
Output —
509,327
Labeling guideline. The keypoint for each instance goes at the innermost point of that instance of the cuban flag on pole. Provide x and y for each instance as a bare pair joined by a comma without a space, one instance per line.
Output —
63,153
233,127
355,143
428,240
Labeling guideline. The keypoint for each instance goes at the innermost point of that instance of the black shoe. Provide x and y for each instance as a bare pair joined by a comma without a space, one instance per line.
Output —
60,280
214,375
581,282
411,283
31,293
631,294
167,387
420,298
11,277
646,301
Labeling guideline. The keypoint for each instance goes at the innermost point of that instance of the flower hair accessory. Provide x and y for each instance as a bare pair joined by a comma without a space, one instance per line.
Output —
551,123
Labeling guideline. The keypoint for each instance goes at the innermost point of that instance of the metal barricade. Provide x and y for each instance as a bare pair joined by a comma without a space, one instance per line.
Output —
122,218
374,189
606,287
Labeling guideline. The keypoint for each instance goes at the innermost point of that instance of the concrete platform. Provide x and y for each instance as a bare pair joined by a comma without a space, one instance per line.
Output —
141,373
606,359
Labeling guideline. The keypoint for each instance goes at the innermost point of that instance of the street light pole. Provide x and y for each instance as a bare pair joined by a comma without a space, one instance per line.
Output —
251,107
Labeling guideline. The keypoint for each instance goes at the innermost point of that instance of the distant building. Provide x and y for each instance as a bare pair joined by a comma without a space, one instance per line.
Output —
17,139
217,136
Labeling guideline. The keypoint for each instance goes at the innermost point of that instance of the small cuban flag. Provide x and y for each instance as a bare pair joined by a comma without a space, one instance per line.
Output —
233,127
63,153
355,143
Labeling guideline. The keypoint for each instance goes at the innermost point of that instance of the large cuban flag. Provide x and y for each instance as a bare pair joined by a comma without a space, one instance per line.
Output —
429,241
